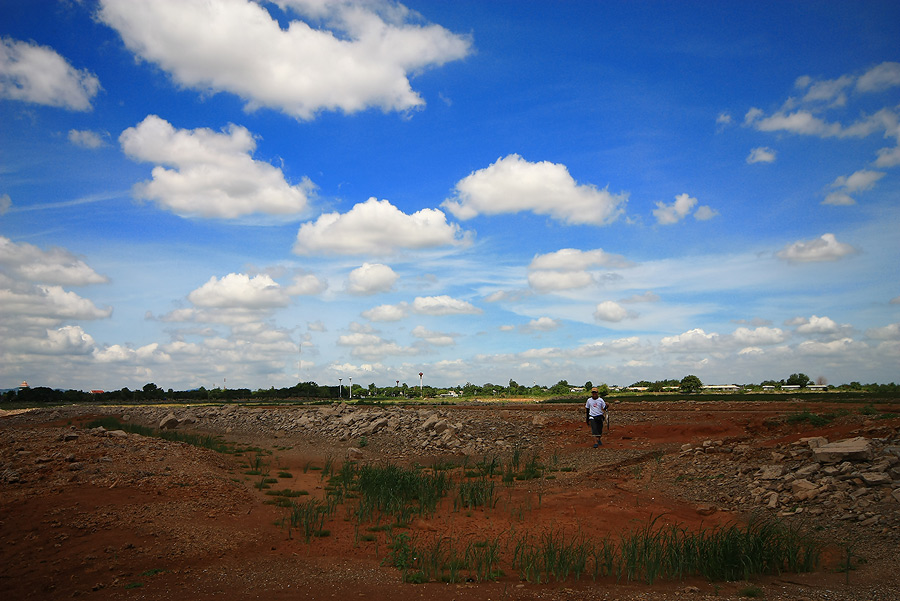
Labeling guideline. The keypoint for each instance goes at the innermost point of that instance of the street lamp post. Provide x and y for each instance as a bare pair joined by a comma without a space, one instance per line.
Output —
340,389
421,389
351,388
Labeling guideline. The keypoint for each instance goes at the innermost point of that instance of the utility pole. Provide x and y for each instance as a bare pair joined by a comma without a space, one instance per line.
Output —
421,389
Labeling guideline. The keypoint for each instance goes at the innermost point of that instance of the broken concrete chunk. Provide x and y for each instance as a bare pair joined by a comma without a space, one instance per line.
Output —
853,449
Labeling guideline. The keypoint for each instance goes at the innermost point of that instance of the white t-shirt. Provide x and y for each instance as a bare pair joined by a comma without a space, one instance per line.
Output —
596,407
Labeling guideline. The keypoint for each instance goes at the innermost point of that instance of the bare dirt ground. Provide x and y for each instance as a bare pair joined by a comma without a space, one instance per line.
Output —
87,514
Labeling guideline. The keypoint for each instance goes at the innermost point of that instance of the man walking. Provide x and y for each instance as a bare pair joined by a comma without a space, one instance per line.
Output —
595,409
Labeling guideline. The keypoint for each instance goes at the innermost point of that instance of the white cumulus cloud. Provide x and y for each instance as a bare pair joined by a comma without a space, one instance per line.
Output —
86,138
844,186
879,78
759,336
762,154
51,303
387,312
838,347
556,281
306,284
567,268
824,248
205,173
376,227
572,259
542,324
443,305
358,58
238,290
610,311
695,340
371,278
512,185
54,266
38,74
818,325
888,332
433,338
679,209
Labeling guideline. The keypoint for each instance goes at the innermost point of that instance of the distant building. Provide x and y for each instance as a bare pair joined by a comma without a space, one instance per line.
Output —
722,387
24,384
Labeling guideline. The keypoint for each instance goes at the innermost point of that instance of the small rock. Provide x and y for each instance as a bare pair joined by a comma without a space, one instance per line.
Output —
706,509
876,478
771,472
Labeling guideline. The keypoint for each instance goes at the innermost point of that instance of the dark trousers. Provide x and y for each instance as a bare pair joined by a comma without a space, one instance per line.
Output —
596,425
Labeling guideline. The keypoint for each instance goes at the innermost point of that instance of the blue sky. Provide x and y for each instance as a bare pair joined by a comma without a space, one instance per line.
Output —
226,192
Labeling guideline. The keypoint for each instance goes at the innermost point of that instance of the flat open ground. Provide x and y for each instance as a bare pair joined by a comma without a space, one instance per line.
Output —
86,514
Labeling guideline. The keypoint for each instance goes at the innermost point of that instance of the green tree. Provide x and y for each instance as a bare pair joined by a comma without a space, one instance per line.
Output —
561,387
800,380
691,383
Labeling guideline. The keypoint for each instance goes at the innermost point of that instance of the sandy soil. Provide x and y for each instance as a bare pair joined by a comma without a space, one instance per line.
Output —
85,514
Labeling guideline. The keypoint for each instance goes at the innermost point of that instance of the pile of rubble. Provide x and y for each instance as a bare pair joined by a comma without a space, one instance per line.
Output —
856,479
412,429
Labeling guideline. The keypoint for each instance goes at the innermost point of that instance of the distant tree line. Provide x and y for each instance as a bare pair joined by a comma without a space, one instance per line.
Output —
311,391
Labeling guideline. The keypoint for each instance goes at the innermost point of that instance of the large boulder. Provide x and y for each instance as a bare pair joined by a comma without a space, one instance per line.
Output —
169,422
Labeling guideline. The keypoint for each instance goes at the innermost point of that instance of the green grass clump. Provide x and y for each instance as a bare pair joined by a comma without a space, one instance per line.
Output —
812,418
652,552
477,493
441,561
308,518
287,492
551,554
398,492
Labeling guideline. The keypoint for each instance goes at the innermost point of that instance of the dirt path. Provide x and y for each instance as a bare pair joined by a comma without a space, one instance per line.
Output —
87,514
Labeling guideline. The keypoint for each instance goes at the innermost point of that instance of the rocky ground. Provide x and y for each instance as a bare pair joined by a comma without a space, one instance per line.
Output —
105,514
